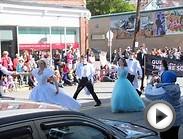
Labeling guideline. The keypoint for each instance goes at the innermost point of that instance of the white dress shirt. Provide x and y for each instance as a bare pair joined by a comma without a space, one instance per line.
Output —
85,71
134,68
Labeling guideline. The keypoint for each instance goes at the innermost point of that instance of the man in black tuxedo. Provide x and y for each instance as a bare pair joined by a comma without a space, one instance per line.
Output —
85,72
134,71
141,58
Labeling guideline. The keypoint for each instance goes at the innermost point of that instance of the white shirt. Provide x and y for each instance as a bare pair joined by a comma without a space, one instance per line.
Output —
134,67
85,71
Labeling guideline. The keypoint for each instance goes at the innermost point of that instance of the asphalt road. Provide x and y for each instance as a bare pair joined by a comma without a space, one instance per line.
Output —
104,91
104,112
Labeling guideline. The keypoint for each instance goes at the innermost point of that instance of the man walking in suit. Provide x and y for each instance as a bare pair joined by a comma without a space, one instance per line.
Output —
140,57
134,71
85,72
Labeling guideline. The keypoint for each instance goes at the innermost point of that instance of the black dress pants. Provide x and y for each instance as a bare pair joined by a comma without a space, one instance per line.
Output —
172,133
142,80
131,78
85,82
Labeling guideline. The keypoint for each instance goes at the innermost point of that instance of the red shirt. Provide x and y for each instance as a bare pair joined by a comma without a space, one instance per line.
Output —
6,62
15,62
65,69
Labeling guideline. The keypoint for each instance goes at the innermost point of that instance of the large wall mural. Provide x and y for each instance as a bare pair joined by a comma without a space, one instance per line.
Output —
159,23
123,26
152,24
174,21
146,25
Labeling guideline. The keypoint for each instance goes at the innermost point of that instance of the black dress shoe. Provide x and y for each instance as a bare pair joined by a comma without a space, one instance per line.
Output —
98,104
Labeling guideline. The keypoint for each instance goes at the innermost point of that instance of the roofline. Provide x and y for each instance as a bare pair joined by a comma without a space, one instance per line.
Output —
42,9
33,3
133,12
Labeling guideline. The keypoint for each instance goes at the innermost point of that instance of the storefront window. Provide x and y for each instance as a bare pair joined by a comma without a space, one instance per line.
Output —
73,36
39,38
71,31
34,38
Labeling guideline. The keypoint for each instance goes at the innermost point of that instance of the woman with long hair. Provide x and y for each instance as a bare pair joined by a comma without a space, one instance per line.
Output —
124,96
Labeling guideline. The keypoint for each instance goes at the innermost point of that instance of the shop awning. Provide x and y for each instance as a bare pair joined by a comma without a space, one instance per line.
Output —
46,46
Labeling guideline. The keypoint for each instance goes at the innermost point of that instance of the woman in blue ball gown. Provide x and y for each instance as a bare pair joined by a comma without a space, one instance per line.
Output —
124,96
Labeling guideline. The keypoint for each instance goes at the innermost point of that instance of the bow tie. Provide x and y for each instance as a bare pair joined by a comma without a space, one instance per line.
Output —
84,64
131,59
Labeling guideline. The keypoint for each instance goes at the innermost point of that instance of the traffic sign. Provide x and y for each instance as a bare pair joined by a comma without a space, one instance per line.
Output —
109,35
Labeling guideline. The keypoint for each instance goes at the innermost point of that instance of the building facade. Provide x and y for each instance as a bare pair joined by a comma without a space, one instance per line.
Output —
43,25
158,4
158,29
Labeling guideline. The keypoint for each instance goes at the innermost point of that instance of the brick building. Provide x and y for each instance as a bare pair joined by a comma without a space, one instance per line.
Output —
122,26
43,24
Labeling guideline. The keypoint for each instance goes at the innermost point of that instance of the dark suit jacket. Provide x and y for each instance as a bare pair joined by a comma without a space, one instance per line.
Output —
140,58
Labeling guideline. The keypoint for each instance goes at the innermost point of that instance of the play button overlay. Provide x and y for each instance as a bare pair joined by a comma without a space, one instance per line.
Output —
160,115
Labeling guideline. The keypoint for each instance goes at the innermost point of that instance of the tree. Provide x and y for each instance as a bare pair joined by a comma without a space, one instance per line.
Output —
99,7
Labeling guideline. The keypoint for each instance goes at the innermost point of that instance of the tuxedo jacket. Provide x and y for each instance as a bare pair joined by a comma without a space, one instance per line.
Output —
140,58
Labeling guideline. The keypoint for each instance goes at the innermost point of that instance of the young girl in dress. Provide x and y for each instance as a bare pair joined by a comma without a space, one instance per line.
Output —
47,92
124,95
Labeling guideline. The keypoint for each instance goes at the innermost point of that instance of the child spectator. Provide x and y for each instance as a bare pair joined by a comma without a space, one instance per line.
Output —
11,83
59,78
20,70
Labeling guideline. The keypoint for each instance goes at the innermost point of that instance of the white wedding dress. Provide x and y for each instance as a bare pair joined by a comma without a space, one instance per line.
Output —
46,92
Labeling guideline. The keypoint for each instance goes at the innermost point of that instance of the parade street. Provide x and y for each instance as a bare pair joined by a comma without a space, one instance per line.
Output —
104,91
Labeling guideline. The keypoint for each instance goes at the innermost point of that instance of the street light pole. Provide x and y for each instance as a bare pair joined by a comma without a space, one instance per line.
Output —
137,24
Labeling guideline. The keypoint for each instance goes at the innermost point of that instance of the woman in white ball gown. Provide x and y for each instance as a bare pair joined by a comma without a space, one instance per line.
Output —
44,91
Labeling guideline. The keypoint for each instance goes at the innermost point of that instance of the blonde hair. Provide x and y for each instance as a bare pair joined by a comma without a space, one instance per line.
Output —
5,53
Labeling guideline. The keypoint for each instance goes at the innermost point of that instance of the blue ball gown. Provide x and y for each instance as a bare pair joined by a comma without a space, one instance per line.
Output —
124,95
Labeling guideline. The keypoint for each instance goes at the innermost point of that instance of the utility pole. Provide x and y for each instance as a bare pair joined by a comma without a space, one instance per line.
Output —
137,24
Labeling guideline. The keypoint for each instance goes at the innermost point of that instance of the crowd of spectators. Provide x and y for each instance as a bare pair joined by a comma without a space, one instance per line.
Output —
64,62
172,53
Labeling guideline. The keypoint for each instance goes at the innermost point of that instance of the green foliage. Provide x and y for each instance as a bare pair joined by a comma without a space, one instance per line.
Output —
99,7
